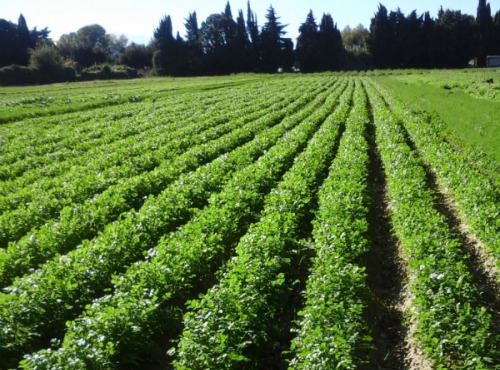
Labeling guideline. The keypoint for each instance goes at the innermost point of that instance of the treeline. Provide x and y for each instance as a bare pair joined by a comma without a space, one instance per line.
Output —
16,40
225,44
450,41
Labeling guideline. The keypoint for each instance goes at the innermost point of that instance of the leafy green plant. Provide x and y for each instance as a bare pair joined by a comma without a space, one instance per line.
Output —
332,332
451,327
83,221
477,198
140,231
233,323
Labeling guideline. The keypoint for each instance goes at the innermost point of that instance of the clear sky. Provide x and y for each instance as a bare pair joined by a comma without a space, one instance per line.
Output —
137,19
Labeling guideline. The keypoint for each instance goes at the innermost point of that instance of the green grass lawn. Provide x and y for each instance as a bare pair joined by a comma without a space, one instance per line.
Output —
476,122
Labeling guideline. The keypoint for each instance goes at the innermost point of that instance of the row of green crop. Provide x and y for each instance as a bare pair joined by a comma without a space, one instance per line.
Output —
96,135
88,271
48,134
236,322
29,108
450,326
30,102
110,139
55,136
78,222
149,296
332,332
163,93
80,184
476,197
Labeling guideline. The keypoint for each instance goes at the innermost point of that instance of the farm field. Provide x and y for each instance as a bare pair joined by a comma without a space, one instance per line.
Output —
472,123
291,221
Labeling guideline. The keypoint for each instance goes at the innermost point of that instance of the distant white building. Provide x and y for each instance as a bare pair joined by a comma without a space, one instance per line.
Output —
493,61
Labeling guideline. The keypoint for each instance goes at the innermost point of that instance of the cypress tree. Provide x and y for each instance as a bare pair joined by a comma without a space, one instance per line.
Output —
331,48
308,46
484,24
380,40
272,43
24,42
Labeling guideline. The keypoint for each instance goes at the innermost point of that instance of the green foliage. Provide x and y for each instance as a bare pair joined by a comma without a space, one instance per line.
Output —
46,59
156,216
476,197
125,206
331,330
473,120
239,319
451,327
182,262
136,56
271,39
17,39
107,190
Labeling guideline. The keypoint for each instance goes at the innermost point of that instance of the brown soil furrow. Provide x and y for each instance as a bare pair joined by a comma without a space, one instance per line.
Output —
388,280
385,273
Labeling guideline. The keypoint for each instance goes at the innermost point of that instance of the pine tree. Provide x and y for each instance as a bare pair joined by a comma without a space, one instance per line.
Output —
8,41
330,44
192,30
24,42
230,52
272,43
242,45
253,33
166,46
496,34
380,40
484,24
428,41
194,53
308,46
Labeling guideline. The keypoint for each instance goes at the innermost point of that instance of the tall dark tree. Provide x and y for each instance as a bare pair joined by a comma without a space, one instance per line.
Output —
166,46
381,38
254,36
24,42
215,45
272,42
330,44
407,40
456,39
308,47
192,29
194,53
252,25
484,24
397,23
496,34
16,40
229,26
8,42
242,47
230,31
428,40
241,31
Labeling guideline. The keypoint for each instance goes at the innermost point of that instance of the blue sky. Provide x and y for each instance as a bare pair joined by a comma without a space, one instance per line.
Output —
137,19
